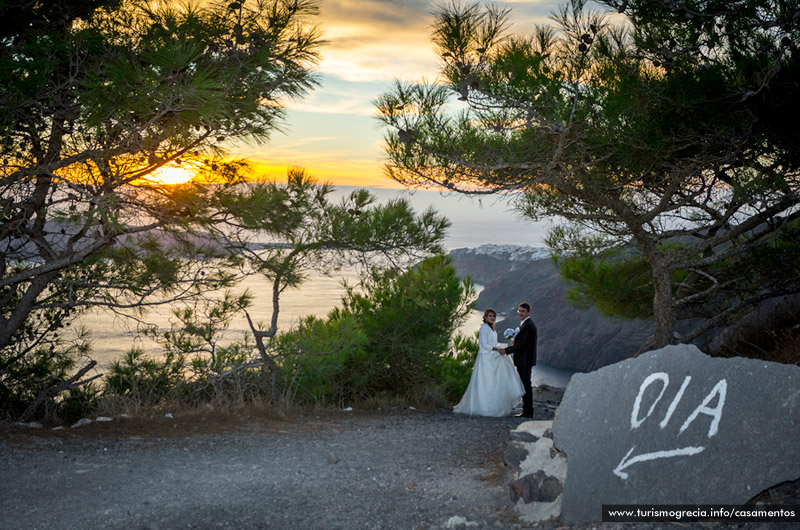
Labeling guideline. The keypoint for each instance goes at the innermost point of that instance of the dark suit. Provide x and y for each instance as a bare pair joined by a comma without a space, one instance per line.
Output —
524,350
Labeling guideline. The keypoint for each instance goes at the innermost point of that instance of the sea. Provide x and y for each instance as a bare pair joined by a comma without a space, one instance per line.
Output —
475,221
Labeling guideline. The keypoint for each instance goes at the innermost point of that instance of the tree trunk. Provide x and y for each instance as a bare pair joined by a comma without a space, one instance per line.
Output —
22,311
663,313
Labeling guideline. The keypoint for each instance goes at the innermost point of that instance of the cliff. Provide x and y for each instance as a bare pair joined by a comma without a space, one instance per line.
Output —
569,338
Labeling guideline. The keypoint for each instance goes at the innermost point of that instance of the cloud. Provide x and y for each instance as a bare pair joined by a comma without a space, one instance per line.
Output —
377,12
331,131
380,40
338,96
372,40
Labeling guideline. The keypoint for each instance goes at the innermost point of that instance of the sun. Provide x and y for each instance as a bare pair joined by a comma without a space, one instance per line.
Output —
171,175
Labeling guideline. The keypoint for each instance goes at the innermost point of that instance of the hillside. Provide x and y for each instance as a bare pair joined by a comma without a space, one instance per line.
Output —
569,337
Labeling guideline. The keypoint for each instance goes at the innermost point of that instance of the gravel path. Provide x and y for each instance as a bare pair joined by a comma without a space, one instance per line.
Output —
392,469
383,469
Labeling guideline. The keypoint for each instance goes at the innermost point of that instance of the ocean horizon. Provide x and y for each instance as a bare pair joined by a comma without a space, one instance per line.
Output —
476,220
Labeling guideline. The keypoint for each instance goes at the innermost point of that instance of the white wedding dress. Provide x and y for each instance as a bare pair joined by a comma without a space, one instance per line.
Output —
495,387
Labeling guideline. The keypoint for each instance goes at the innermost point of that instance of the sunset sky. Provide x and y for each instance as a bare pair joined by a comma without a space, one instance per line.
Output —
332,132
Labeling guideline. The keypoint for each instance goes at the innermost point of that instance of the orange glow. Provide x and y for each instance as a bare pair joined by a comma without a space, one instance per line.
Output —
363,174
170,175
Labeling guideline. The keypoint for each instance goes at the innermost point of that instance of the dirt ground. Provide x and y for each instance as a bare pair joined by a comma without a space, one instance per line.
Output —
389,468
383,468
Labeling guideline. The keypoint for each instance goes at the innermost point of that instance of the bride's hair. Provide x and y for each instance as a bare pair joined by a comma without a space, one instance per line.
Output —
485,313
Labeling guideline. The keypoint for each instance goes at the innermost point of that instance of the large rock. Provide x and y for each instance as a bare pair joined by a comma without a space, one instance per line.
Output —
674,426
569,338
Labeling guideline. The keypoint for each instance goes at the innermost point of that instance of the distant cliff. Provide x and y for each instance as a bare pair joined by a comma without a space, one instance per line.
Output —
569,338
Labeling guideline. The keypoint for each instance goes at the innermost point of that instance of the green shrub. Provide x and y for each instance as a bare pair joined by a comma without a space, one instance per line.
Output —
452,372
230,376
392,339
195,368
147,379
79,402
324,361
29,373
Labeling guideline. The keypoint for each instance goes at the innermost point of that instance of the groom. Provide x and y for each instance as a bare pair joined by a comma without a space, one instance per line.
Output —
524,350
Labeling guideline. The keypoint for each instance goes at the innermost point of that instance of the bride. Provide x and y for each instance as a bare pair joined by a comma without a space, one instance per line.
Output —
495,387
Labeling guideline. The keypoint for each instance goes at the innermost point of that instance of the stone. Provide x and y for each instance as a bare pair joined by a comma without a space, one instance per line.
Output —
457,522
535,484
81,423
526,487
103,418
675,426
541,457
514,454
531,431
29,425
522,436
536,487
550,489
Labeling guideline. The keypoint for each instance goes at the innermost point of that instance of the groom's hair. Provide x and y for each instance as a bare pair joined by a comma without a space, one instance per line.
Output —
526,306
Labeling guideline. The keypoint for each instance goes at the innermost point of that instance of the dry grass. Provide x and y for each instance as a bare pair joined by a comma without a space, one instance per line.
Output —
775,345
192,421
770,334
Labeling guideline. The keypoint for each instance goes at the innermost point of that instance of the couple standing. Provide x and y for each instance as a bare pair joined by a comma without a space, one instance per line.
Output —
496,386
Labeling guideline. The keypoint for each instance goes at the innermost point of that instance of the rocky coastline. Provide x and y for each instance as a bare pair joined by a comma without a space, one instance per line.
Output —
569,338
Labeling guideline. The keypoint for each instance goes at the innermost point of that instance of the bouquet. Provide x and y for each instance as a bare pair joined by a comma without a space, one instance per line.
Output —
510,334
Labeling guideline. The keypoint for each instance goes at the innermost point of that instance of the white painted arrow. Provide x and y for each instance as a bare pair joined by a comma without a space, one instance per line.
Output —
684,451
